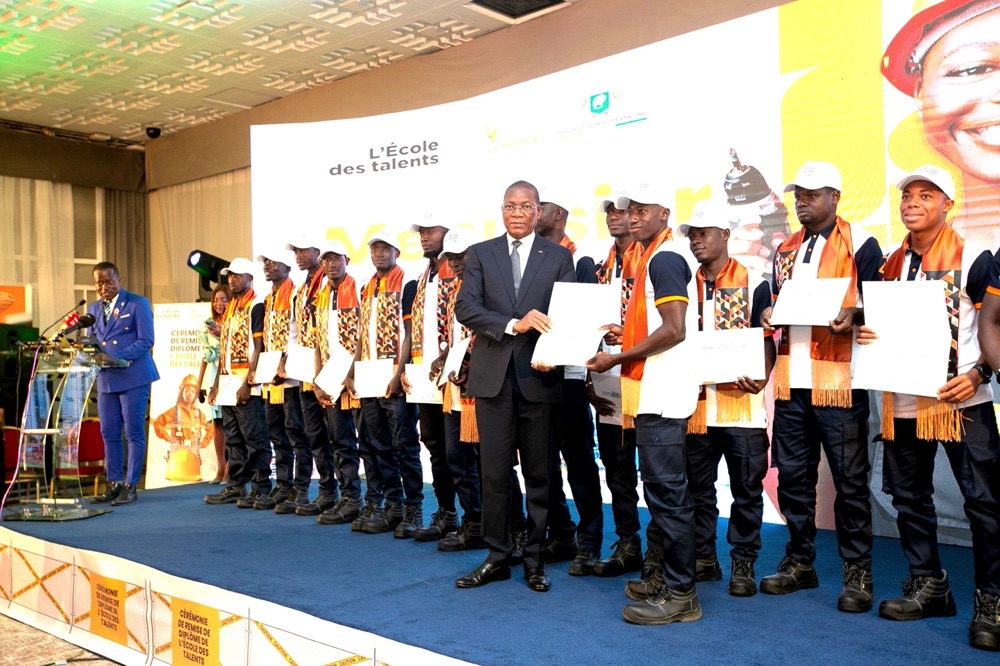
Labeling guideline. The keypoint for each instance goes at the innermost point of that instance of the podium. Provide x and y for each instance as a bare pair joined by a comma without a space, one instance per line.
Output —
47,486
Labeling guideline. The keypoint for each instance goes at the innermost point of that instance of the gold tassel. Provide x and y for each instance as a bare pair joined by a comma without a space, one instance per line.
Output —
888,417
468,425
831,381
698,422
732,406
446,398
275,394
630,401
937,420
782,378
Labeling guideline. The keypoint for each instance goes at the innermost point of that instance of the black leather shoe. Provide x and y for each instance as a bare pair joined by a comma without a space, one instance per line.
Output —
127,496
555,550
923,596
856,595
666,607
483,574
536,579
707,570
227,495
742,583
114,489
791,576
984,631
624,559
583,563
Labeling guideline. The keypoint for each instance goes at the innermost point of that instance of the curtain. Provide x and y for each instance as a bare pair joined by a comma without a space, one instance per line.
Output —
36,243
126,224
212,215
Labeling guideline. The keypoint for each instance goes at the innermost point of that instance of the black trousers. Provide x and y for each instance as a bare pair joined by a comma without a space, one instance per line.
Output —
617,448
510,423
660,442
745,451
293,461
575,440
318,434
799,431
909,472
392,432
248,450
432,435
463,462
346,459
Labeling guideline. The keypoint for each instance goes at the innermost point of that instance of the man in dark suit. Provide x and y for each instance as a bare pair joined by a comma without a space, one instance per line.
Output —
505,294
123,326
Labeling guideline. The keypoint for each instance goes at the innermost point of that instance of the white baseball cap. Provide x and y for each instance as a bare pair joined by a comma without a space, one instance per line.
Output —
287,257
425,222
706,215
932,174
455,241
616,197
384,237
240,265
303,242
647,193
815,176
334,247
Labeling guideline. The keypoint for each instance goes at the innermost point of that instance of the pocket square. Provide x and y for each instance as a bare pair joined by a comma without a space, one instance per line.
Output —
125,315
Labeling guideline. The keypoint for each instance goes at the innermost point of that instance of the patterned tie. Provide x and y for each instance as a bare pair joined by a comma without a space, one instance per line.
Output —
515,266
107,311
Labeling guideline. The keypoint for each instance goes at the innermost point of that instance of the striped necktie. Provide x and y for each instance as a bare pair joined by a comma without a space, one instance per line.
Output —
107,311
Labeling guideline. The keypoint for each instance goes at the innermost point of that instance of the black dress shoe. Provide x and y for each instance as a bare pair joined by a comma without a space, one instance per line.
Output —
127,496
483,574
111,494
536,579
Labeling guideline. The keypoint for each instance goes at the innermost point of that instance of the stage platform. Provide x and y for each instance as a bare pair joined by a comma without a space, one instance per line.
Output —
273,589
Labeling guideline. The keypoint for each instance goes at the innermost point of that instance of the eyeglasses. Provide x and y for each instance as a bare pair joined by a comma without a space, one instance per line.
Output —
524,208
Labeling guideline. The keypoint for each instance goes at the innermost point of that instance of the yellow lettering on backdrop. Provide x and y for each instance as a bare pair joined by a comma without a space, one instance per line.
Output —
833,111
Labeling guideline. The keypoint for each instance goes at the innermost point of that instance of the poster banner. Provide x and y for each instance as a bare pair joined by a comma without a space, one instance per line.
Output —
15,304
180,445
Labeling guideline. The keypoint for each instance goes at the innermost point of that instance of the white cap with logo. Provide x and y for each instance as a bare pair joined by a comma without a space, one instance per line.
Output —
456,241
816,176
932,174
333,247
240,265
426,221
303,242
287,257
647,193
383,237
707,215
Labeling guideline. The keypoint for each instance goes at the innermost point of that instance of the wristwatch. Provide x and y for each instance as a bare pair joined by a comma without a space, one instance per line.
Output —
985,372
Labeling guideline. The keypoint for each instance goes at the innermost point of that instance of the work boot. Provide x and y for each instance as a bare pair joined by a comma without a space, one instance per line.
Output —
741,582
707,570
555,550
641,589
856,595
791,576
322,502
384,521
277,495
247,501
298,497
368,512
923,596
666,607
344,511
469,536
623,559
227,495
583,563
413,519
984,632
442,522
650,562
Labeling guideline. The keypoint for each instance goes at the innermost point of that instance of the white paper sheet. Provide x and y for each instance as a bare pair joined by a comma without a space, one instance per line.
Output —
809,302
578,311
914,338
267,367
300,363
454,361
725,356
228,386
371,378
608,385
331,376
422,390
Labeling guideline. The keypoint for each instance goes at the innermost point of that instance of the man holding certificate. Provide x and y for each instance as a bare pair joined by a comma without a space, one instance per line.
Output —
391,422
293,460
814,404
960,417
659,393
730,420
337,331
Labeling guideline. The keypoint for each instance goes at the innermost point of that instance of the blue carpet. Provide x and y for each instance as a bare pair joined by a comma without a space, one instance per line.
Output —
404,590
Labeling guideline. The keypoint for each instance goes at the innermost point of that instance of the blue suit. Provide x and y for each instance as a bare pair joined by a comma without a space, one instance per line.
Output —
123,393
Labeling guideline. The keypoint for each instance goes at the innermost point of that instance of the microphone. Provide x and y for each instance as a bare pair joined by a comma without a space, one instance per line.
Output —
61,318
78,322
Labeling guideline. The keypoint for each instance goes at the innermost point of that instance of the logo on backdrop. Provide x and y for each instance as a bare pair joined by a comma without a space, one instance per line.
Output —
392,157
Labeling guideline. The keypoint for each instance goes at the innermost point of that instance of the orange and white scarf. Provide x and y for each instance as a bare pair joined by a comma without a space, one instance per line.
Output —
277,316
629,265
235,341
347,307
447,286
385,295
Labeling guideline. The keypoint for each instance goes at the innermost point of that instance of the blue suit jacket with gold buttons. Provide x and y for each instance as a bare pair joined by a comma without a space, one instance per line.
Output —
128,335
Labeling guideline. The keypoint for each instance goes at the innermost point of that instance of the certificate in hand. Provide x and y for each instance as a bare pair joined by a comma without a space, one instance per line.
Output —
578,311
371,378
454,361
300,363
228,386
809,302
267,366
331,376
725,356
914,338
609,386
422,390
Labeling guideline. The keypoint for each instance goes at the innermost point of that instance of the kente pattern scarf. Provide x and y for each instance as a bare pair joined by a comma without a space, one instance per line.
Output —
385,294
235,341
630,264
447,286
277,316
305,307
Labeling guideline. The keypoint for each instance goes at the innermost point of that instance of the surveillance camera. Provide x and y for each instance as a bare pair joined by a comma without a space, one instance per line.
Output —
153,132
